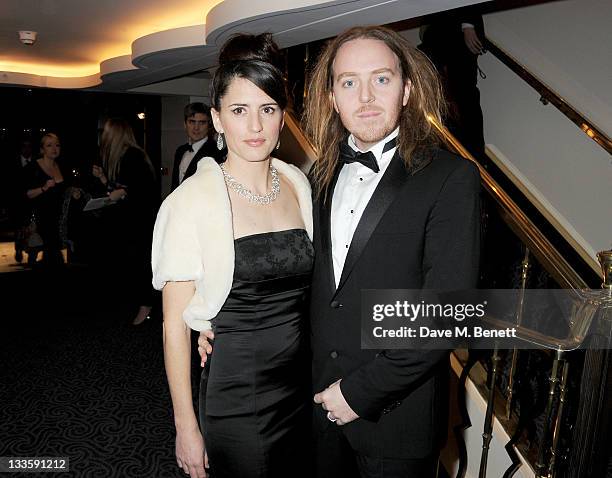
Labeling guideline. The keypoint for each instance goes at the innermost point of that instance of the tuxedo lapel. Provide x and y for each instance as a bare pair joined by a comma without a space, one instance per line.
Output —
178,156
325,205
193,165
386,191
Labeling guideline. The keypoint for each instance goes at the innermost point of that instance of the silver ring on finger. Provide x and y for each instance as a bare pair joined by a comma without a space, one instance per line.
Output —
330,417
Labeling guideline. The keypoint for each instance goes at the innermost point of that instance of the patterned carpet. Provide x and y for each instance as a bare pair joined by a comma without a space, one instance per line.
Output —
77,380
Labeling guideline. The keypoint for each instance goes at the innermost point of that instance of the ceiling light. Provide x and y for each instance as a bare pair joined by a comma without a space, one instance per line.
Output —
27,37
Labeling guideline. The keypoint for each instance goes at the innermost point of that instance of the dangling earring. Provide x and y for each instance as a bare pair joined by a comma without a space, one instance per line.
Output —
220,144
277,144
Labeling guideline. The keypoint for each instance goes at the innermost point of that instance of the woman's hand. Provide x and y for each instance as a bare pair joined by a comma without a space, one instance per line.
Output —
39,191
190,453
117,194
472,41
204,345
98,172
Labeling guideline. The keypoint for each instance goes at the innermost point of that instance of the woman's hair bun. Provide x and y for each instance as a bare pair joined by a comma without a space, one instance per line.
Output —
255,58
245,47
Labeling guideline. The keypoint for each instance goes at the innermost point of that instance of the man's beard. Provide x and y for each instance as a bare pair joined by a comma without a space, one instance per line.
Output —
377,132
373,135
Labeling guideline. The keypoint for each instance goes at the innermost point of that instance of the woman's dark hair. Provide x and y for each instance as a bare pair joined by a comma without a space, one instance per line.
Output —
255,58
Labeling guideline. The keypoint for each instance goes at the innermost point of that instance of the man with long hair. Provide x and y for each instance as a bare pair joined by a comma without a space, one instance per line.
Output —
392,211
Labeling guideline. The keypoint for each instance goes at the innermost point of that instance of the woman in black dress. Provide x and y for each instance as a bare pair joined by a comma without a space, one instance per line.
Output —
46,187
232,250
129,177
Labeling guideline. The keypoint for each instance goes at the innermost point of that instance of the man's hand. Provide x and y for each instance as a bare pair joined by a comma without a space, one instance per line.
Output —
472,41
204,345
332,400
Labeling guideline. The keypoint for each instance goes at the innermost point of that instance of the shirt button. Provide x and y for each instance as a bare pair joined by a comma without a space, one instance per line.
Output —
346,245
352,211
360,179
333,354
334,304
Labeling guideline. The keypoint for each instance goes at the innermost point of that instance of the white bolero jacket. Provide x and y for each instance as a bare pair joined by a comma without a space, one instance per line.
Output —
193,239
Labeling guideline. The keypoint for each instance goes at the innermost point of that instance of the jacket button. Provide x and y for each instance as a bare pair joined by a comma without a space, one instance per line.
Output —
335,304
333,354
391,407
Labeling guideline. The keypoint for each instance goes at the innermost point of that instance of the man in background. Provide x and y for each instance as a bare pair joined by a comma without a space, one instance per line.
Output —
197,125
453,41
19,204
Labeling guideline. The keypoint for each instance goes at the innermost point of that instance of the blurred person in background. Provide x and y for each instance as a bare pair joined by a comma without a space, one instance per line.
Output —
129,178
453,41
46,183
19,204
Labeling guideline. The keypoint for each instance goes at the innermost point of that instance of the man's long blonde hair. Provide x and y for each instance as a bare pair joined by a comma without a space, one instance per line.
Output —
117,137
323,126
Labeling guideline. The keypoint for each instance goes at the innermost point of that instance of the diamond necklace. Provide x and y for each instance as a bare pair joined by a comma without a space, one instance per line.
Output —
247,194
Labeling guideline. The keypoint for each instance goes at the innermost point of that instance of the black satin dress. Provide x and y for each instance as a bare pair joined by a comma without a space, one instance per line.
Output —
254,392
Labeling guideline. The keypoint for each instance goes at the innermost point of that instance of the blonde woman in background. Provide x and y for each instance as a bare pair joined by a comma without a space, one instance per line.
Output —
130,179
45,188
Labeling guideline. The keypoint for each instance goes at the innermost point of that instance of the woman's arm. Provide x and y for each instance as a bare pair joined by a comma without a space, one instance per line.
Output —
190,452
35,192
98,172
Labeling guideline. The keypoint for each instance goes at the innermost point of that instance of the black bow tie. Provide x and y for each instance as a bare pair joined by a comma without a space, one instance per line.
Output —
190,148
349,155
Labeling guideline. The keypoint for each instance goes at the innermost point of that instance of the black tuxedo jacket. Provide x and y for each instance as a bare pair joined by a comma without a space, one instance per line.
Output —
420,230
208,149
443,37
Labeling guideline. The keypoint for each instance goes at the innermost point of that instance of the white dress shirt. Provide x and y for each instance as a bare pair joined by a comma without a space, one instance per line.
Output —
25,161
188,156
355,186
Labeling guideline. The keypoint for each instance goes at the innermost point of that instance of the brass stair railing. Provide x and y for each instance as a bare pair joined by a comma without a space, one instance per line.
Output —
547,95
